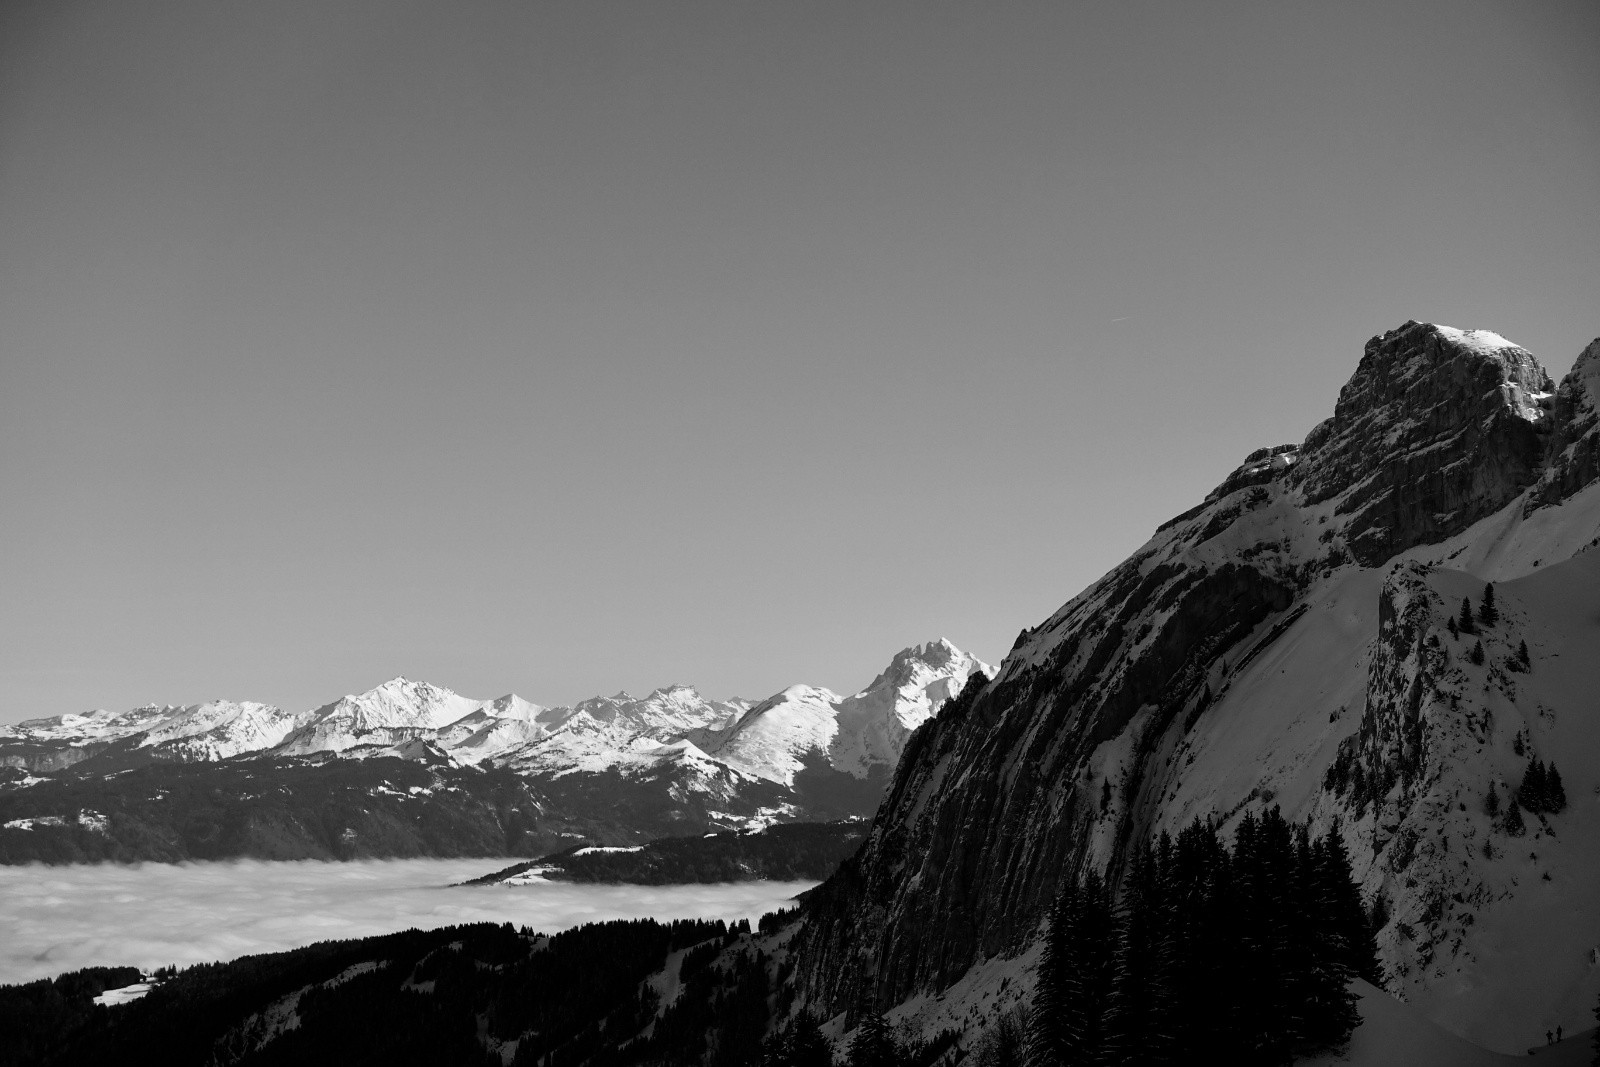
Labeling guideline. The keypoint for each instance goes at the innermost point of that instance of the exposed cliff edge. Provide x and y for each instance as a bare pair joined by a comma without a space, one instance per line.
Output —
1254,641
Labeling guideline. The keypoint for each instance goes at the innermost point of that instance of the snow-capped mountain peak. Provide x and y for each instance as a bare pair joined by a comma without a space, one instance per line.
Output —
858,734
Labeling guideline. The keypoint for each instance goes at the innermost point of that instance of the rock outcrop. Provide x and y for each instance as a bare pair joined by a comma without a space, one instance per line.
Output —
1085,739
1573,460
1436,429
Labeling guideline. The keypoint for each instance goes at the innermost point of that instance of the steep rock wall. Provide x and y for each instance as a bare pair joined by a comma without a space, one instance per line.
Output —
997,801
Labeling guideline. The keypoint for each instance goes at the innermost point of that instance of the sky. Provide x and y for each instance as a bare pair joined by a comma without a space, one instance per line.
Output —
565,348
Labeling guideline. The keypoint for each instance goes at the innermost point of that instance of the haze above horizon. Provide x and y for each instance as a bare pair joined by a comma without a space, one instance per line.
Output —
569,349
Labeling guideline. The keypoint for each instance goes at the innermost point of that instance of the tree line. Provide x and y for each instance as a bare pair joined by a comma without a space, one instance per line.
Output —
1240,954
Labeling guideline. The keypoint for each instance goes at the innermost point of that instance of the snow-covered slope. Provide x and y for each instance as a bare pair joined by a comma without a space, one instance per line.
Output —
1396,1034
220,729
771,739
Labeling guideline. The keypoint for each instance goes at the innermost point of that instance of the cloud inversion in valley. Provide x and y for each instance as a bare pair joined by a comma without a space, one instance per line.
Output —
59,919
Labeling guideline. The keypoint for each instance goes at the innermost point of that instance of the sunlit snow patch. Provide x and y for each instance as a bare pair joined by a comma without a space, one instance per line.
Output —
124,994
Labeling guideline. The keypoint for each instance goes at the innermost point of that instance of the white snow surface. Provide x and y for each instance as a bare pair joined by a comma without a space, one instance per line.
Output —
1483,341
124,994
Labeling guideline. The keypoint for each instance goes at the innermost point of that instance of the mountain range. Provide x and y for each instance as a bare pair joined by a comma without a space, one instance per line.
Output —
611,769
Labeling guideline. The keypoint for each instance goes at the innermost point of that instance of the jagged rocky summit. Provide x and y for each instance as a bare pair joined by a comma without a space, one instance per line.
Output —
1287,642
493,777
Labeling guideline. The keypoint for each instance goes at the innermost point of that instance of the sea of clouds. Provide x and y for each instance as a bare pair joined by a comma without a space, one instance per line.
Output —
56,919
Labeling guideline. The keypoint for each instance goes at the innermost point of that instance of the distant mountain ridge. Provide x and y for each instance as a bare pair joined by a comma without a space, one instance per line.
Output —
613,767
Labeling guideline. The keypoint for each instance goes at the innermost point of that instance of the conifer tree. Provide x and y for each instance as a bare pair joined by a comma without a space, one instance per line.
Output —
1357,930
1137,1028
801,1045
1339,946
775,1051
1488,614
1491,801
1596,1059
874,1044
1555,791
1464,622
1531,793
1005,1045
1522,655
1094,939
1240,955
1052,989
1512,823
1071,996
1476,655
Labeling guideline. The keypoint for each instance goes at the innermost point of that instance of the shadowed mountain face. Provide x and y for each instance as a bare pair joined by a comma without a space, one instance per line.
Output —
1229,663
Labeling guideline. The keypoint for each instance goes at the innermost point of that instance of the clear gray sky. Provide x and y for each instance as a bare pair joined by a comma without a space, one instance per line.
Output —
562,348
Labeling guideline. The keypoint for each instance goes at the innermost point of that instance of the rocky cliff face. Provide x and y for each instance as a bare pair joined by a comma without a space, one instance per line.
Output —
1574,450
1436,429
1223,665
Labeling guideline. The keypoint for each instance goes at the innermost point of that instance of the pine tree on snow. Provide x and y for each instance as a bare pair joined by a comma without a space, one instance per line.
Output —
1338,944
1070,998
1004,1045
776,1051
1555,791
1047,1043
874,1044
1275,942
1464,622
1491,801
1532,792
801,1045
1596,1059
1354,922
1512,823
1137,1020
1488,614
1204,918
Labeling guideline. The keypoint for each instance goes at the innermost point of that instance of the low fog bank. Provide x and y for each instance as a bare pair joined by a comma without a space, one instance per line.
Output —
55,919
